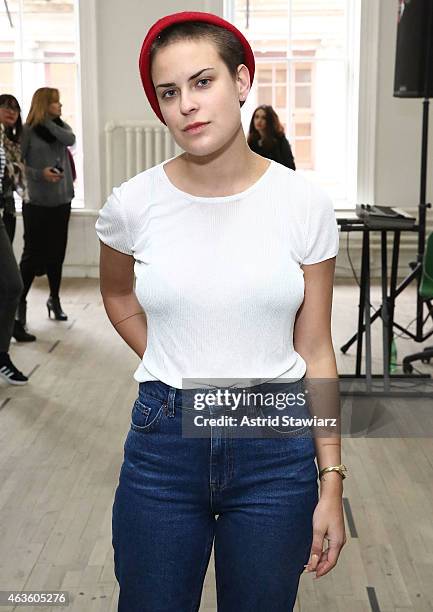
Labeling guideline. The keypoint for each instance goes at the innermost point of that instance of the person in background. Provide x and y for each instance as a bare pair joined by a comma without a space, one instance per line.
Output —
45,141
13,176
266,137
10,290
12,179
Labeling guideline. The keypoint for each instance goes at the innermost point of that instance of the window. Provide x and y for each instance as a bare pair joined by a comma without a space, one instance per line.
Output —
39,48
305,69
303,114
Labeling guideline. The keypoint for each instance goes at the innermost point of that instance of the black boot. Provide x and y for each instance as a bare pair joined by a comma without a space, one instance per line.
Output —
22,312
20,333
53,305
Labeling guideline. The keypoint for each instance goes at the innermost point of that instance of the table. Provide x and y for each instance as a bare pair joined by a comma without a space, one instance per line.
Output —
386,310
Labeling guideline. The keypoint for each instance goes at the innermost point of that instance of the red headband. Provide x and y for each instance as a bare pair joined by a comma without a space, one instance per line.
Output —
165,22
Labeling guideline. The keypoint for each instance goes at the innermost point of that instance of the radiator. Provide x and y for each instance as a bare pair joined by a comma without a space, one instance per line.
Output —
134,146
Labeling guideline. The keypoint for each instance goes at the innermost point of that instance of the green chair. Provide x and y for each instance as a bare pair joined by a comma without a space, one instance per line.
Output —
426,292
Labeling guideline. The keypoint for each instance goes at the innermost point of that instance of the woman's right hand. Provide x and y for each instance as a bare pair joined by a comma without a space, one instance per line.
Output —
51,176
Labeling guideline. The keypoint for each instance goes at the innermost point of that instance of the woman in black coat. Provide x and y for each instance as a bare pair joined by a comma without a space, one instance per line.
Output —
266,137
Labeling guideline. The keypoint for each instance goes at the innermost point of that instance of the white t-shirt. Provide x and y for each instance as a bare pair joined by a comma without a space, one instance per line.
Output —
219,278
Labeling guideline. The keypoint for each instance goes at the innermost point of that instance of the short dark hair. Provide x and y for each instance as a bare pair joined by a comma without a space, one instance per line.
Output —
228,46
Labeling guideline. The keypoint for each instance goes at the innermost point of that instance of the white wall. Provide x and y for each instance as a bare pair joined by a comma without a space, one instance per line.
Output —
399,121
397,143
120,34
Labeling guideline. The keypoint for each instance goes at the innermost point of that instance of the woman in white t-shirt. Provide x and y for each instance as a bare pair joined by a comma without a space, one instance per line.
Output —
233,257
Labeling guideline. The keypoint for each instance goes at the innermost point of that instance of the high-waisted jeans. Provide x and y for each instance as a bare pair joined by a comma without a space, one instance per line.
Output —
253,498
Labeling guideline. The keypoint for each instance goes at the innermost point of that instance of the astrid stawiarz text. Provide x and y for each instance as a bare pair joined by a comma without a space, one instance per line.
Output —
274,421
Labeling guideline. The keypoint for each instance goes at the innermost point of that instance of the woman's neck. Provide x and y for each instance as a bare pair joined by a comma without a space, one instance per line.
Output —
230,170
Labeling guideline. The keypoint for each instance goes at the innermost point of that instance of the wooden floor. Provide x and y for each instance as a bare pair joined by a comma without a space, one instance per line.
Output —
61,442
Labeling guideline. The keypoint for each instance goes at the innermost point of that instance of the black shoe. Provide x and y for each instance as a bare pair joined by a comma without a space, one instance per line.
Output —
10,373
22,312
53,305
20,334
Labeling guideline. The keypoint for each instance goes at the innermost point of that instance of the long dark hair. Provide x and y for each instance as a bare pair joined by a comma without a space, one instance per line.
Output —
274,128
13,132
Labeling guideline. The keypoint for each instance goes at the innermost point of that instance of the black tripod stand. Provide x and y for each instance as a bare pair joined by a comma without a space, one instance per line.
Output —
415,274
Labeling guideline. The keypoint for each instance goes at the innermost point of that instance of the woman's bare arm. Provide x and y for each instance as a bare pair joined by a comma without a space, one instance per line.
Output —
121,305
313,341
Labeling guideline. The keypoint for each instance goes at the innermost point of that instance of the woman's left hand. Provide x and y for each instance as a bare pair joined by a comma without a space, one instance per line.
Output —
328,523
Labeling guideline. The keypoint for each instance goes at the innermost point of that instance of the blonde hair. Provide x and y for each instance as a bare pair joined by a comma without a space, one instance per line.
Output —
41,100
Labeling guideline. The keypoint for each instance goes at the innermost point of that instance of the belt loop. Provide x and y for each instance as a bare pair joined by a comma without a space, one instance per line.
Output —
170,401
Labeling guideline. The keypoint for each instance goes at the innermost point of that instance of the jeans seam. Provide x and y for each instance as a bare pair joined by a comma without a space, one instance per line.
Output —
210,473
207,550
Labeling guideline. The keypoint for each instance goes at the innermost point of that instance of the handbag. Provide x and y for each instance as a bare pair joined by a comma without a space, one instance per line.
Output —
72,162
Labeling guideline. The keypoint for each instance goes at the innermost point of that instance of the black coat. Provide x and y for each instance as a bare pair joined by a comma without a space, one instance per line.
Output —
280,152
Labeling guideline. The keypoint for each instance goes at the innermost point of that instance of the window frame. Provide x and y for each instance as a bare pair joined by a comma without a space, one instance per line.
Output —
87,113
90,117
362,29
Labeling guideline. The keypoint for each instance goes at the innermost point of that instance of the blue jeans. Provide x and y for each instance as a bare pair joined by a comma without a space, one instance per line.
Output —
253,498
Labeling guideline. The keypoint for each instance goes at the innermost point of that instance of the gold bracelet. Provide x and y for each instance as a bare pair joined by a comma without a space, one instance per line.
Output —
334,468
133,315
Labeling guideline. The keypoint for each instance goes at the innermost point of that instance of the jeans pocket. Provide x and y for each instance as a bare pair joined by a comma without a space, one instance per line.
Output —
146,415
